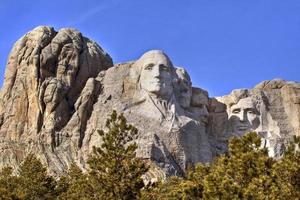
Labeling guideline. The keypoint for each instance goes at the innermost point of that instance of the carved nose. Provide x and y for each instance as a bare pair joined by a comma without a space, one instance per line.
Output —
243,116
156,71
205,111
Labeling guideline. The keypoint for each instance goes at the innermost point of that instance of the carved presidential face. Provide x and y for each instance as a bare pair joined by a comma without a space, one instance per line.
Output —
156,74
244,117
185,88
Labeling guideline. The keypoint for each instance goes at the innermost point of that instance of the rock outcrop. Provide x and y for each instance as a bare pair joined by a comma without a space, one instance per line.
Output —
271,109
60,87
155,97
45,77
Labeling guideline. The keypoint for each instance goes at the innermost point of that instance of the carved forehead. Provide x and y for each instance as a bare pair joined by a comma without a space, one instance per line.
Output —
244,103
155,56
182,73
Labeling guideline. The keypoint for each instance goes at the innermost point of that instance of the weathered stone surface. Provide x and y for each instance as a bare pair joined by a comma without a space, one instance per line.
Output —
45,75
271,109
60,87
148,92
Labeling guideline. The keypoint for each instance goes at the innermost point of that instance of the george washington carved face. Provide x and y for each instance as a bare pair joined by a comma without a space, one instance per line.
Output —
156,73
244,116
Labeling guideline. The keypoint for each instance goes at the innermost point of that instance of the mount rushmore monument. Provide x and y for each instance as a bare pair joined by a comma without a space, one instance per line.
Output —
60,88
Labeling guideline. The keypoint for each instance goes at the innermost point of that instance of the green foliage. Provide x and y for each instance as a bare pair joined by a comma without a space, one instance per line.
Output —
246,172
286,173
8,183
114,171
75,185
232,174
34,182
188,188
163,190
114,168
31,183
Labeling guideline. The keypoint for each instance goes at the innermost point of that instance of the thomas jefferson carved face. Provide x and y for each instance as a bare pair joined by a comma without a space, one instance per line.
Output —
243,116
185,87
156,74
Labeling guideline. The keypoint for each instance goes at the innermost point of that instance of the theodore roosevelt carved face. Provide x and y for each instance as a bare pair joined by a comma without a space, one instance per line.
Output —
156,73
244,116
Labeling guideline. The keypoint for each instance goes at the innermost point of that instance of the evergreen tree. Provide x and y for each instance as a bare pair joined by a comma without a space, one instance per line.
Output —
115,171
8,183
75,185
245,172
286,173
188,188
33,181
233,174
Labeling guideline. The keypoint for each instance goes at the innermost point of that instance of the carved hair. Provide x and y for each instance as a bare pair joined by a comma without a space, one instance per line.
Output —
257,97
137,67
182,72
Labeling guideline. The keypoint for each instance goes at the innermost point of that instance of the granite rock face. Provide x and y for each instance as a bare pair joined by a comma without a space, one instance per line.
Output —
45,77
271,109
155,97
60,87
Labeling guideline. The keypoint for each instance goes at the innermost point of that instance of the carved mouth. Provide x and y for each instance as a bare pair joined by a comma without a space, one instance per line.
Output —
242,128
156,82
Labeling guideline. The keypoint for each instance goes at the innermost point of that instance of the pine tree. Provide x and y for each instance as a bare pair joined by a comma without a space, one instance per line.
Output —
182,188
232,175
286,173
8,183
245,172
75,185
115,171
33,180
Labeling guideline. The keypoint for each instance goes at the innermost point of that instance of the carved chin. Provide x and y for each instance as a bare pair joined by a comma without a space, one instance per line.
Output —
241,129
160,91
184,103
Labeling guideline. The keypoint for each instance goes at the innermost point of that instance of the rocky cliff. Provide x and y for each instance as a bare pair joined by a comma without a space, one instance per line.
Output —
271,109
60,87
46,82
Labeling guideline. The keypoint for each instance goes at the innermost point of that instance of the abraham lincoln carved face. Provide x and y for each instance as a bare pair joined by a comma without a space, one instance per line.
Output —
244,116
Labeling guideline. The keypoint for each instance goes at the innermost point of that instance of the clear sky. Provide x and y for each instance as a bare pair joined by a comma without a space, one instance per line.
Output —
224,44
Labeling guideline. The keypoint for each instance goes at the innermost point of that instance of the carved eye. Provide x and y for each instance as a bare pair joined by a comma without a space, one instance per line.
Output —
163,67
236,111
250,111
186,82
149,66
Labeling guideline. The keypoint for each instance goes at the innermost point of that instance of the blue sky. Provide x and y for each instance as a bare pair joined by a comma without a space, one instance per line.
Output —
224,44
